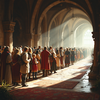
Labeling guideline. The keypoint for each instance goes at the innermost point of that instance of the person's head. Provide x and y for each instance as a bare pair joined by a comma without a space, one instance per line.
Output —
6,48
25,49
21,46
37,52
67,49
30,50
45,48
34,55
39,47
57,51
16,51
34,47
50,47
61,48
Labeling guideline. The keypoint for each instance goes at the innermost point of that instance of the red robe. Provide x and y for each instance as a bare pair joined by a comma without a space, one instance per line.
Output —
16,75
45,64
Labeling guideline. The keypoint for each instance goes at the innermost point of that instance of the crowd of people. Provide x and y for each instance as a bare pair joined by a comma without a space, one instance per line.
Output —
26,62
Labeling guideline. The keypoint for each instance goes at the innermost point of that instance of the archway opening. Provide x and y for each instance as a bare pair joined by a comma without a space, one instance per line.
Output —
74,31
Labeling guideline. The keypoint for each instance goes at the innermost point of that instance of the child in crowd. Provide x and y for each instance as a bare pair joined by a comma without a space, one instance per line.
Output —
34,66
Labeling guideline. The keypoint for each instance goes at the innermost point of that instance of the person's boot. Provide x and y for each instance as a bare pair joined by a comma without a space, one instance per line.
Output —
46,72
29,75
43,73
35,75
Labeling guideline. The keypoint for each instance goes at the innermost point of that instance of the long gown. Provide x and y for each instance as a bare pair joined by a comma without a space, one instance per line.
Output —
67,57
8,73
58,60
3,64
53,63
45,64
16,76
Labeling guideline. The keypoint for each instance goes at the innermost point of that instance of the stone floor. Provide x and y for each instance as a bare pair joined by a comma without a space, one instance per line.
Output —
67,73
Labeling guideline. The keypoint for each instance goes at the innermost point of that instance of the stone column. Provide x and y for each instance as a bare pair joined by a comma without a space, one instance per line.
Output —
94,71
44,32
60,37
8,34
57,37
32,40
72,39
36,40
29,39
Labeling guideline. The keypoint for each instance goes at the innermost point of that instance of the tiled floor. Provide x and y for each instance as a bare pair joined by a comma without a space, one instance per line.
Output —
67,73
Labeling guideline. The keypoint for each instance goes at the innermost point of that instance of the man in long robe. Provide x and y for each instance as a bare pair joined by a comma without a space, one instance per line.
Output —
45,63
3,63
8,72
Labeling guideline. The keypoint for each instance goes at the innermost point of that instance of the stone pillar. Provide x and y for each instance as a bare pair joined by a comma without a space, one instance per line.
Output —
57,37
60,37
94,71
48,38
29,39
74,38
8,34
36,40
44,32
62,44
72,41
32,40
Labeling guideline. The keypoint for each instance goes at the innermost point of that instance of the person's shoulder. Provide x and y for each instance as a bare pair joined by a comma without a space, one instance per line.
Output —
47,51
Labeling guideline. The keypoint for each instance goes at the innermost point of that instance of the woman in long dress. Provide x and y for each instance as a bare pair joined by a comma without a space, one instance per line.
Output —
67,57
58,59
39,60
53,62
16,76
34,66
8,73
61,57
72,56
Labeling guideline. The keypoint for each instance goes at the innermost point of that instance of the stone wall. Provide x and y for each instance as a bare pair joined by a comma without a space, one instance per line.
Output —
1,20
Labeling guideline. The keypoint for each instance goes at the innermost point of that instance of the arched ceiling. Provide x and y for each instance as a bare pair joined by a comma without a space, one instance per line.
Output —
57,6
60,12
73,15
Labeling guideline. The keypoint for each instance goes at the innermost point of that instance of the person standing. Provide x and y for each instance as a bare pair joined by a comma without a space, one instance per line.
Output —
45,63
67,57
16,76
58,59
39,60
25,67
4,55
72,56
53,62
61,57
8,65
39,50
34,66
